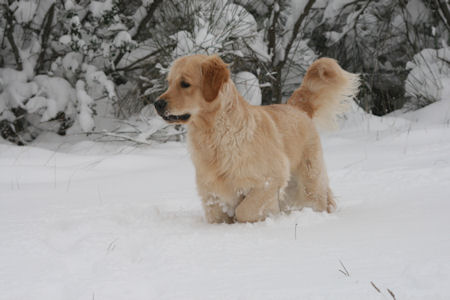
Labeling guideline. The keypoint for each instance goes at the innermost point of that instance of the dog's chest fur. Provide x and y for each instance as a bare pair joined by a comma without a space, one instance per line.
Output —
220,151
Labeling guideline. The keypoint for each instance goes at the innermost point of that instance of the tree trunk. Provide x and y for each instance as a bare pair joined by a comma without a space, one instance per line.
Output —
277,84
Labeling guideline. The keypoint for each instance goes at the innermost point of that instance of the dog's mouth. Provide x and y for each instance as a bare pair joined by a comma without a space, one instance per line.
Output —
176,118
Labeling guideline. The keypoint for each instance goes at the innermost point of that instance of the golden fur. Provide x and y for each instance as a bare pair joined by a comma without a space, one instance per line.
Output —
255,161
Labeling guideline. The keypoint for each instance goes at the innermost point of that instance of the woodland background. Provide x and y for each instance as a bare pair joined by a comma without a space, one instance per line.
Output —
94,67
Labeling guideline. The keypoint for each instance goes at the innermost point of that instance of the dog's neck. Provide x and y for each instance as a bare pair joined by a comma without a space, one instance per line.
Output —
231,112
230,119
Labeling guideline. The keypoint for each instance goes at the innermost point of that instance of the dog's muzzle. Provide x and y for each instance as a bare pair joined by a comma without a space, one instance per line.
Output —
161,108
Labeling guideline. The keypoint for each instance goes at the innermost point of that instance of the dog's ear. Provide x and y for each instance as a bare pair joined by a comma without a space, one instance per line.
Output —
215,73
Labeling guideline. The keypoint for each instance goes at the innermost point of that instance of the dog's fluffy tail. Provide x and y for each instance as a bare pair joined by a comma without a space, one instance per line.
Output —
325,92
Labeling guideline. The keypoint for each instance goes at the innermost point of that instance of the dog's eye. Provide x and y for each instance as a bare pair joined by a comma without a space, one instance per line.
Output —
184,84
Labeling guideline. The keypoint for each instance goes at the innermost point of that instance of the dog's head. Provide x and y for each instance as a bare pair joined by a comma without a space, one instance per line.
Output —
194,85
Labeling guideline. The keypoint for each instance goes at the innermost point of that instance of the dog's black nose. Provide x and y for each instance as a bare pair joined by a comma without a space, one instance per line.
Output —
160,105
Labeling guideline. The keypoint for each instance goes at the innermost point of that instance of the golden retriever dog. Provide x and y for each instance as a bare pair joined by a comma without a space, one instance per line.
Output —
255,161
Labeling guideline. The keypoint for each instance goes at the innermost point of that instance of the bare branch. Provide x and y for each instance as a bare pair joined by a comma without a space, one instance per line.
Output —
272,30
150,11
445,16
279,67
10,35
130,66
48,20
296,29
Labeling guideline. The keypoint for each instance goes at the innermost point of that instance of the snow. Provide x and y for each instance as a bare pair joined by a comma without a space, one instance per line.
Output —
259,47
248,86
98,8
84,105
69,5
81,219
8,75
296,9
56,88
429,73
95,78
75,21
242,23
72,61
135,54
16,93
65,39
23,10
303,56
47,107
122,38
334,7
14,90
216,24
417,12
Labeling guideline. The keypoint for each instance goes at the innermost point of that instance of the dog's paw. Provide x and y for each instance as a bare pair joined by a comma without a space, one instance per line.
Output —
219,219
331,206
244,214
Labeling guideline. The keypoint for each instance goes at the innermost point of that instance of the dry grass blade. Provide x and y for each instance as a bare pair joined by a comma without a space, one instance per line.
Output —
392,294
375,287
345,271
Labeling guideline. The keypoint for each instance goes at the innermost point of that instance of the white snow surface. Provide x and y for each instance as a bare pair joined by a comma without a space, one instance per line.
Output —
87,220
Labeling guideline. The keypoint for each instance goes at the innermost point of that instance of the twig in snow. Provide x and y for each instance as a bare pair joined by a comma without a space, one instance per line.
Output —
345,271
127,138
112,245
391,293
375,287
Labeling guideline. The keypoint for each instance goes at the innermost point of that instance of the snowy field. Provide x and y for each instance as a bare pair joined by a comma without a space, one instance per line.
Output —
90,220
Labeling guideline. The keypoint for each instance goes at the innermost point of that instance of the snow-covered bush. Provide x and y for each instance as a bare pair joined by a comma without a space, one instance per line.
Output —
76,60
429,73
377,39
59,62
281,54
218,27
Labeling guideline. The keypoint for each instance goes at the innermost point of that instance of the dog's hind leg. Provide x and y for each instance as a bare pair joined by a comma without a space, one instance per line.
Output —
294,198
314,182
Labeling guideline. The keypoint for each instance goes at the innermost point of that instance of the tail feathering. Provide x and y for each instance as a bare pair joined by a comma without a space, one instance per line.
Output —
326,91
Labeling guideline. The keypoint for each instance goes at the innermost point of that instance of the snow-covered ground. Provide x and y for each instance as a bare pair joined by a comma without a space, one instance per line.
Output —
90,220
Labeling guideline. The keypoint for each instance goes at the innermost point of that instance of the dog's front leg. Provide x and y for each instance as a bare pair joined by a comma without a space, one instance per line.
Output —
215,210
258,204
